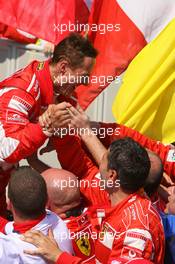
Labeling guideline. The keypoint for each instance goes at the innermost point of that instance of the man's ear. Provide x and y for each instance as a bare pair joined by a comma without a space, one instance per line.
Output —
62,66
112,175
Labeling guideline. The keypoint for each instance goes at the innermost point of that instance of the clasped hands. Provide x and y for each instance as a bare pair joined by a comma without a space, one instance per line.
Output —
63,115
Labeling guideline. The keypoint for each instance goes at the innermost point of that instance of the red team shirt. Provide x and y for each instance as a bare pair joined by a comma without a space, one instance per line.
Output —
22,97
131,229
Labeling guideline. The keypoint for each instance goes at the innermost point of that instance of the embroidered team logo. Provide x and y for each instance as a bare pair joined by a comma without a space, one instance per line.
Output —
19,104
40,66
107,235
171,155
84,245
15,118
83,220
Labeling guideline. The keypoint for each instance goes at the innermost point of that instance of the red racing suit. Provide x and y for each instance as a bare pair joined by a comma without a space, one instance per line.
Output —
72,157
21,98
80,229
131,229
84,228
111,132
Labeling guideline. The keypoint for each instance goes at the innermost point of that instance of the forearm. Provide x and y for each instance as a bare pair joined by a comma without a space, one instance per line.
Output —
37,164
22,143
94,145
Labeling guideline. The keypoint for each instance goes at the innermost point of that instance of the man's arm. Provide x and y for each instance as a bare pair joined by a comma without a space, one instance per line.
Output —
73,158
36,163
19,137
81,121
71,155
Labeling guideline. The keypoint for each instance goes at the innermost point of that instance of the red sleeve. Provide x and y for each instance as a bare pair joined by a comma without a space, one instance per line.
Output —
12,33
66,258
71,155
18,136
165,152
73,158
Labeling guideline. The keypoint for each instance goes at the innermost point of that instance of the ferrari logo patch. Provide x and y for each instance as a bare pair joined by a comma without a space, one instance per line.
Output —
40,66
84,245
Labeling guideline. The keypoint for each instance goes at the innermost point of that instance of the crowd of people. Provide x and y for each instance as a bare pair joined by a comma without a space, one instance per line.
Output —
113,201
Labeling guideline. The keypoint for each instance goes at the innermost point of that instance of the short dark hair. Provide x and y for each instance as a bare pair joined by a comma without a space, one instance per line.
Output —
74,48
131,162
27,192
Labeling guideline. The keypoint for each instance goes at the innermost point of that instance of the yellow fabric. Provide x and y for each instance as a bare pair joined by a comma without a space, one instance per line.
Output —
146,99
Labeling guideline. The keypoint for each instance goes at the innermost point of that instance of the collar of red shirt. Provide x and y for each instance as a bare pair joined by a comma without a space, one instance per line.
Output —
27,225
45,82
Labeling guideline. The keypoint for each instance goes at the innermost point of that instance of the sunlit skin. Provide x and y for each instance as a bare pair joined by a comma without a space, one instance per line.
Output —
108,175
66,79
61,197
62,209
170,207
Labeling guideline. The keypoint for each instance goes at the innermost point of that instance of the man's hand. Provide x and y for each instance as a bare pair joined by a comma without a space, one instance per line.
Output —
46,245
166,180
61,115
170,207
79,118
56,116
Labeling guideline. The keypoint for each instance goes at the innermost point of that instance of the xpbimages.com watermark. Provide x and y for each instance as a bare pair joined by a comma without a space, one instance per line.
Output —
101,80
86,236
94,183
78,27
101,132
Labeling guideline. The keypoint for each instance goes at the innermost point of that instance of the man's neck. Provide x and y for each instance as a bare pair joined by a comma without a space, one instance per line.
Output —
118,197
20,220
16,217
21,225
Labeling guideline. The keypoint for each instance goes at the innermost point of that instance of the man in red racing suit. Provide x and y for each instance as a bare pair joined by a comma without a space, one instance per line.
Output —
131,229
127,230
29,91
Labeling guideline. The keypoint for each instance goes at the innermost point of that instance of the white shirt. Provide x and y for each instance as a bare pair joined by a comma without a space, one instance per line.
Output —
12,247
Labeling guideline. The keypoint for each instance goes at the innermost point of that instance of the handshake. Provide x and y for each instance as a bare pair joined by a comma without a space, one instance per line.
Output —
63,115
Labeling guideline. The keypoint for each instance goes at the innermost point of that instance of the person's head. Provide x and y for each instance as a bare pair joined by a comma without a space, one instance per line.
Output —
27,193
126,165
72,63
63,191
155,175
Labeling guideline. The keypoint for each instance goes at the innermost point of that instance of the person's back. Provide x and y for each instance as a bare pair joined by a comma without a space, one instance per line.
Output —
13,233
28,197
